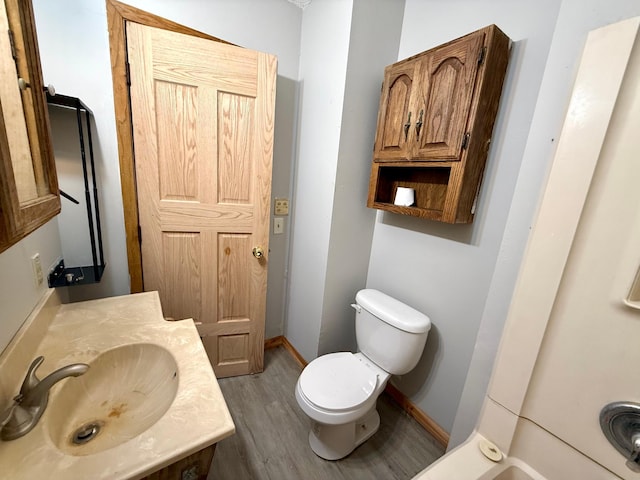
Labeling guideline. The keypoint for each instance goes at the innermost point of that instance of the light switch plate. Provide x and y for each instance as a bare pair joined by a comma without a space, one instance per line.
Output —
282,206
278,226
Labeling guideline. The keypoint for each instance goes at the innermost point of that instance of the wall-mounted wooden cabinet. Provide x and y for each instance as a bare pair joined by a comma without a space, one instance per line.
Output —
28,183
437,111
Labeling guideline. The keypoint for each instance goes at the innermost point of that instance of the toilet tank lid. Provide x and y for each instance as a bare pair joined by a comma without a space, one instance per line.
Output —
392,311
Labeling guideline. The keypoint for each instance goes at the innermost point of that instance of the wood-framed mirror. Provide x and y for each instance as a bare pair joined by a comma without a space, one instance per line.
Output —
28,183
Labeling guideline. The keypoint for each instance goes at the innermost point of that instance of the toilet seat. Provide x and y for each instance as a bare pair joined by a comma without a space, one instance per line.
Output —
337,382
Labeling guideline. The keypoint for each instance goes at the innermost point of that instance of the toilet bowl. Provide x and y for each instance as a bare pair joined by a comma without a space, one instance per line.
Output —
338,391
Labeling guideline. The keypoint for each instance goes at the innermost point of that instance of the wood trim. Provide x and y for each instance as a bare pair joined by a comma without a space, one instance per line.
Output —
132,14
117,14
435,430
118,49
37,116
282,341
273,342
8,194
294,353
441,436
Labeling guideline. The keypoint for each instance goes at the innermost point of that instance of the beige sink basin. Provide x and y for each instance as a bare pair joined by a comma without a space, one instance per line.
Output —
126,390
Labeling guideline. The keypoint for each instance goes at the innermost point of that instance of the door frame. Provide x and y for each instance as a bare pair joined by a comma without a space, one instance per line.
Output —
117,14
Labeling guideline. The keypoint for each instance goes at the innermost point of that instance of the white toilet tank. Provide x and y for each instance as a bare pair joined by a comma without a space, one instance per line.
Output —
389,333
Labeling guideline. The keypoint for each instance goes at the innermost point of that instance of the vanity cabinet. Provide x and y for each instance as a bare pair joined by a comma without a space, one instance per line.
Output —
193,467
28,183
436,116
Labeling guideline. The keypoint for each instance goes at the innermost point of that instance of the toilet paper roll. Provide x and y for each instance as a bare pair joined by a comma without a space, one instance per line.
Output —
405,197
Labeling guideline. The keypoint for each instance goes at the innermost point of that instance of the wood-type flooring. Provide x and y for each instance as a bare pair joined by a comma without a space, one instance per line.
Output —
271,439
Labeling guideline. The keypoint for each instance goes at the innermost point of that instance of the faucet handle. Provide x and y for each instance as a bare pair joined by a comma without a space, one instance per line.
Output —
30,379
15,421
633,462
7,414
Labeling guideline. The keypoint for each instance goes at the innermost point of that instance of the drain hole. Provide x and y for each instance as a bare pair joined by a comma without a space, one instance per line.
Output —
86,433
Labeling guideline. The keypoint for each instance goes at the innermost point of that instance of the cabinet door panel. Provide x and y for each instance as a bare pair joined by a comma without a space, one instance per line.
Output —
446,81
395,117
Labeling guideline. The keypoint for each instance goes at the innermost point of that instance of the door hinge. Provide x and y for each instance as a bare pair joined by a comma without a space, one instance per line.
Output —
481,55
12,42
128,73
465,140
139,235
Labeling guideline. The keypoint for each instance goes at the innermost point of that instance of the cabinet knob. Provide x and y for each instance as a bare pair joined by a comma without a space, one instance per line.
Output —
23,84
50,89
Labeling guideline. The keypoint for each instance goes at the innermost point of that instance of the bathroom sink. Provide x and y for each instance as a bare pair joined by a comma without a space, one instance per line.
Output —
126,390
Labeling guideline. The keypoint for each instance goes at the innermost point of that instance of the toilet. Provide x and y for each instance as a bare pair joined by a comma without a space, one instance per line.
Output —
338,391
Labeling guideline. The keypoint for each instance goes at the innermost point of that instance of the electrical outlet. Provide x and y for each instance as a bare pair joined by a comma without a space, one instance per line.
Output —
278,225
37,269
282,206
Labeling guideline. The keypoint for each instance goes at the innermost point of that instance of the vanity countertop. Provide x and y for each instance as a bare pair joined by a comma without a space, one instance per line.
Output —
79,332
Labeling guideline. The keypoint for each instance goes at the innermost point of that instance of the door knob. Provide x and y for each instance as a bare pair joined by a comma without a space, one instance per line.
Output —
620,423
258,252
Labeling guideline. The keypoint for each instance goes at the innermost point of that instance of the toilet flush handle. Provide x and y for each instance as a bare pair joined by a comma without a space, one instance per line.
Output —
356,307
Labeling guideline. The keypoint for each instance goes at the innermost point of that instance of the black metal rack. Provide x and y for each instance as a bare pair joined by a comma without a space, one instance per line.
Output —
63,276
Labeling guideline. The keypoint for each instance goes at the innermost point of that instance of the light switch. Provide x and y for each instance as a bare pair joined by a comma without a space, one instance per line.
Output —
278,226
37,269
282,206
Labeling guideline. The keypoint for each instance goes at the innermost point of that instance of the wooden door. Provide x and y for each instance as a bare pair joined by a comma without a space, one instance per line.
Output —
395,118
202,117
446,81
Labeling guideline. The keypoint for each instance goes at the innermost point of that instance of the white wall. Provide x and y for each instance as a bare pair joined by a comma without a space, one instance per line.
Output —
323,70
373,44
575,19
19,293
445,270
74,50
340,79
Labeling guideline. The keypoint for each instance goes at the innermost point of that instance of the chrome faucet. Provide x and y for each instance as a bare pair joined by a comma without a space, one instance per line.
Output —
29,405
